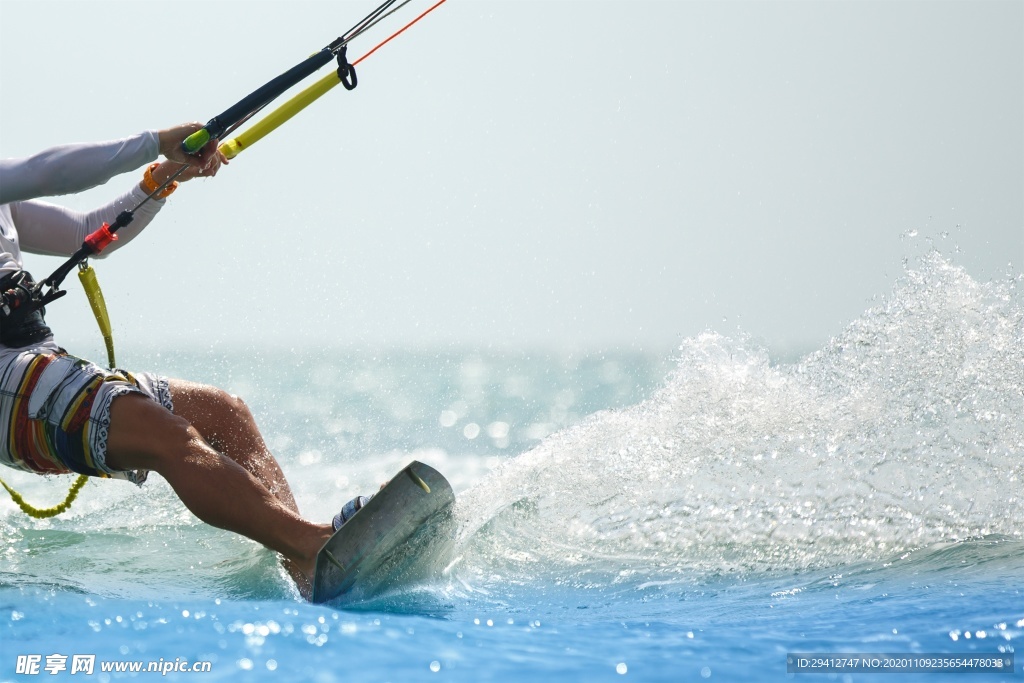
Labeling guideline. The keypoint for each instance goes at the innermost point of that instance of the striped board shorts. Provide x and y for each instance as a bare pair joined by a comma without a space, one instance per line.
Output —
55,411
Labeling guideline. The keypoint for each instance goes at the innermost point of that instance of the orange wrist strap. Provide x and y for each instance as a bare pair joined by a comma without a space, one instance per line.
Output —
150,184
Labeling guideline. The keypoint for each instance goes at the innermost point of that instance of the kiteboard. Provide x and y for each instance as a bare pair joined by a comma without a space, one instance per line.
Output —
403,535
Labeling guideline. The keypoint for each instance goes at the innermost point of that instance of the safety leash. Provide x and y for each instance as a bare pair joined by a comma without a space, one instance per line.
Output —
43,513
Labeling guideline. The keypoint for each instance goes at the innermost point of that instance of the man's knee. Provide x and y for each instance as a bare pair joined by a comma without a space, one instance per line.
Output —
203,401
234,403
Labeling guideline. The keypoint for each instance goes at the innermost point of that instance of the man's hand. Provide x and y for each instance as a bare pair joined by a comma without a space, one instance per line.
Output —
170,146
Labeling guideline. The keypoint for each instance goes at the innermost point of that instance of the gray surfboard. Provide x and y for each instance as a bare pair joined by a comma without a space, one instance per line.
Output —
405,534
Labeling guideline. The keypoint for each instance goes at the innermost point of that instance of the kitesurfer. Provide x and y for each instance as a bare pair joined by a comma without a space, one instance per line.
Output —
61,414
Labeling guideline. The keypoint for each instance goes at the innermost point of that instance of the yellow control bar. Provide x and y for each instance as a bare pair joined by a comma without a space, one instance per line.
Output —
234,146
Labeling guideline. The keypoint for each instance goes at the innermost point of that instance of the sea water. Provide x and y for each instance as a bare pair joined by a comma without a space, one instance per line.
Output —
701,514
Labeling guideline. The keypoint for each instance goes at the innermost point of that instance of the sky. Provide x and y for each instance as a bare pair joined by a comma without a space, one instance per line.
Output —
523,173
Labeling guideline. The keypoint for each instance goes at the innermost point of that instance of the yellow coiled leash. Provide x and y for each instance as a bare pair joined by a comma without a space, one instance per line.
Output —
99,309
43,513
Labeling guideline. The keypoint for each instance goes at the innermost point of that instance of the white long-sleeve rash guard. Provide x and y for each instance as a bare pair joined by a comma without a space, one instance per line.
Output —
43,228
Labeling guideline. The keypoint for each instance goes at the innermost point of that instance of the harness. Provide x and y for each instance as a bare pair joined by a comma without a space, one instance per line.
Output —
21,322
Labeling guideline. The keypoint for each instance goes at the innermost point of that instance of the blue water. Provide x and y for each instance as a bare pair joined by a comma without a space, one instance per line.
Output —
688,515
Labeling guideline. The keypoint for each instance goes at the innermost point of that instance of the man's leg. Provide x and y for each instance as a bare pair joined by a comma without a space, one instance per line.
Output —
224,422
219,491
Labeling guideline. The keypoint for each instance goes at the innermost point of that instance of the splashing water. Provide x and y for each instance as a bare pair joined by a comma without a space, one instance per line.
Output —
905,430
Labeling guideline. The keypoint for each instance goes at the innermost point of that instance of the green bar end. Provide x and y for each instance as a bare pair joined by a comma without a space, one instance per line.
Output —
195,142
